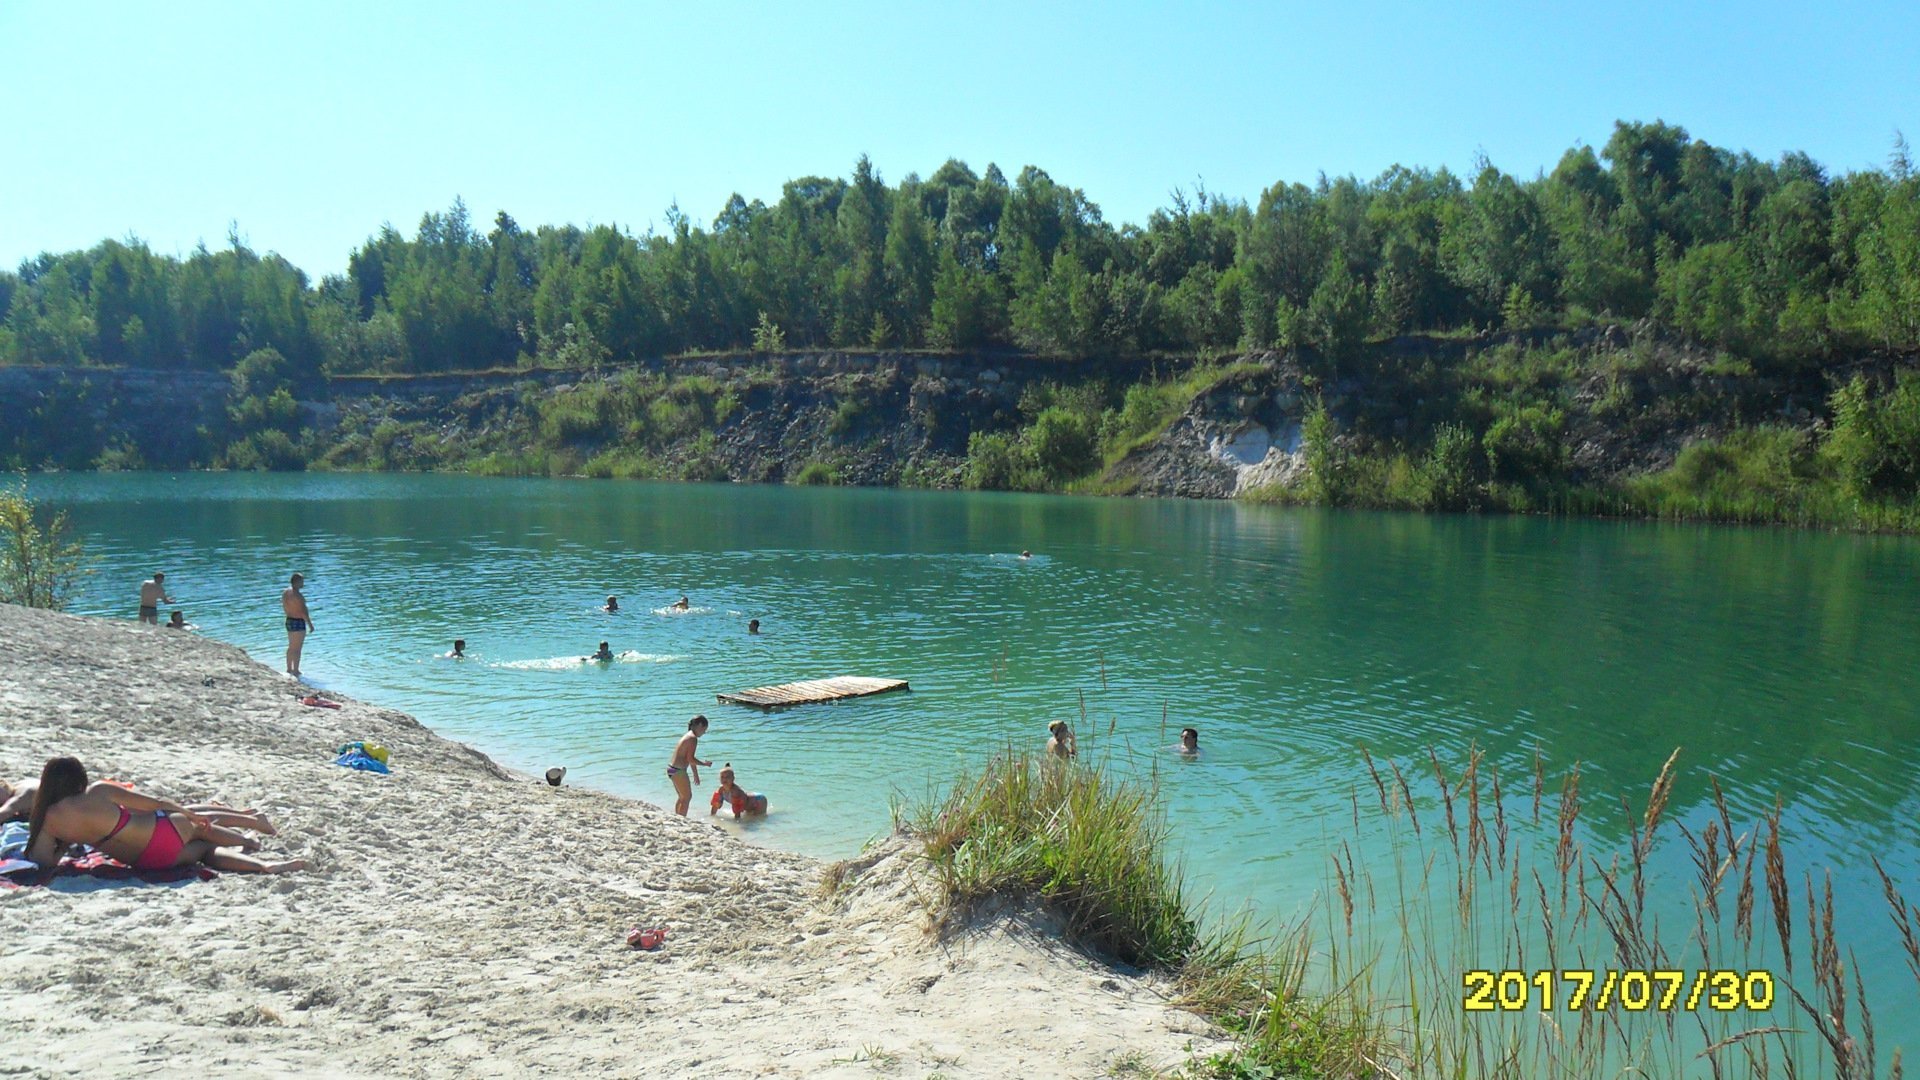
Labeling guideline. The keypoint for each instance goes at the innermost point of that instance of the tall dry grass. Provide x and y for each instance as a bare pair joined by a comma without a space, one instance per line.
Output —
1469,887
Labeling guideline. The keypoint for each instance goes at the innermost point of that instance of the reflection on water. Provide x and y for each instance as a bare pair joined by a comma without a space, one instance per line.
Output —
1781,661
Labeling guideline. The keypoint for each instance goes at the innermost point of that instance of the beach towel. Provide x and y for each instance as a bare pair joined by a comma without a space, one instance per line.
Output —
359,759
13,839
15,873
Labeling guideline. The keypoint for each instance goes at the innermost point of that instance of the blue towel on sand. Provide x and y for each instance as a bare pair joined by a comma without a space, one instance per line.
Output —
359,759
13,840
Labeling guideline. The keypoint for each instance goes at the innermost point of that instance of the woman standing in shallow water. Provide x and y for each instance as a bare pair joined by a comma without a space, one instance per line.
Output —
145,833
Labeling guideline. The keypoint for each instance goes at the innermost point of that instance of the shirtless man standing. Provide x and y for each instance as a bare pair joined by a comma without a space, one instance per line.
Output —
684,762
299,622
153,593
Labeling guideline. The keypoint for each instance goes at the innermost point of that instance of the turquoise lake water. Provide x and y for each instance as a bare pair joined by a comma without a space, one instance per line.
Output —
1783,662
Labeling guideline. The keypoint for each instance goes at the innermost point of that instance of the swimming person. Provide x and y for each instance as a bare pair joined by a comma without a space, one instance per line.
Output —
1026,554
153,593
1060,741
685,763
613,605
179,621
1189,742
605,654
753,626
736,797
679,605
459,649
299,621
144,833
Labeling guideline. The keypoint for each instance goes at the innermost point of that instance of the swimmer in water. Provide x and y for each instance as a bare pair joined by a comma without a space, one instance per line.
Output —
179,621
613,605
603,655
1026,554
459,649
1189,742
679,605
743,802
1060,742
753,626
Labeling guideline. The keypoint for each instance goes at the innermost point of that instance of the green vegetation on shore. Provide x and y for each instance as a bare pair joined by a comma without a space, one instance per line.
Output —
1488,877
39,559
1656,327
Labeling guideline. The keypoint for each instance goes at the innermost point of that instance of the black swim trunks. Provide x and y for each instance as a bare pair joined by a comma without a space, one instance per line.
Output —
296,625
149,612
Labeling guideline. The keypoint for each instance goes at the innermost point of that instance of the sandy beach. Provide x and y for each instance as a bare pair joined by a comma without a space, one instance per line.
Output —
460,920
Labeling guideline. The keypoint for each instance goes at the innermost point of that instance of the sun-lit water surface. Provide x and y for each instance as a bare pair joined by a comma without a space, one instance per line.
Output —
1781,661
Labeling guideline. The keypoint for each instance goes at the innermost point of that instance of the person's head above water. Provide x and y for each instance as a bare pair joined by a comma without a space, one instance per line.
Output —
1026,554
753,626
613,603
603,646
1189,739
459,645
179,618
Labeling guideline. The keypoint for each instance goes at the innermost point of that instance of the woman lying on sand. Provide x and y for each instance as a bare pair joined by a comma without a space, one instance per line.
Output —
145,833
16,804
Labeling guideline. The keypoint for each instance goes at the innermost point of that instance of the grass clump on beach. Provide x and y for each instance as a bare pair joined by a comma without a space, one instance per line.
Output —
1092,849
1087,848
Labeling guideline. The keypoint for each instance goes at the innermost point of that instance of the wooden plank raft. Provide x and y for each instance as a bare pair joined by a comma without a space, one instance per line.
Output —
809,691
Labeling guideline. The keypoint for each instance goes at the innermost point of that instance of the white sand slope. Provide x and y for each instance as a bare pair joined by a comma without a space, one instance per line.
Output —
461,921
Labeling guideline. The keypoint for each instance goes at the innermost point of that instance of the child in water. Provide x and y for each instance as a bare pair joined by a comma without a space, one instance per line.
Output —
605,654
743,802
684,765
459,649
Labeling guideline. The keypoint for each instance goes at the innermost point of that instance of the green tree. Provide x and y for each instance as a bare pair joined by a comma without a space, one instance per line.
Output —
39,559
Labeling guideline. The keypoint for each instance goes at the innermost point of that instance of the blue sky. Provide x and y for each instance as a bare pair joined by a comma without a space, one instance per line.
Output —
312,124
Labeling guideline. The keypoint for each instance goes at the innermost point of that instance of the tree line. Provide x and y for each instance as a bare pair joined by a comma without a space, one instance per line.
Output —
1778,261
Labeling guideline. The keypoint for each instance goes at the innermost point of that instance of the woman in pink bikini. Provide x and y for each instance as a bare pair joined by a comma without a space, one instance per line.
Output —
143,832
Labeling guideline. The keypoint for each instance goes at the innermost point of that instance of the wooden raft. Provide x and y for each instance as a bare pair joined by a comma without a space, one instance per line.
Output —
810,691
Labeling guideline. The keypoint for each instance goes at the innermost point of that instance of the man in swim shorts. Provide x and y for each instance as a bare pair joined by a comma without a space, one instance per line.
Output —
685,763
299,622
153,593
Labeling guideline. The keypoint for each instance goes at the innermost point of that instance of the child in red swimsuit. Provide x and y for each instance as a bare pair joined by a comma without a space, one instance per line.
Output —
742,802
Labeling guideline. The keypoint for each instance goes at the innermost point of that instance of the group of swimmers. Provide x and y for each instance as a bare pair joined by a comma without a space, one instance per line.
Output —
153,593
64,809
1061,743
299,621
605,653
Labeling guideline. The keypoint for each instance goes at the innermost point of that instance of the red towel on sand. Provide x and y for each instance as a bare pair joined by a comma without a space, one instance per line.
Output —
97,864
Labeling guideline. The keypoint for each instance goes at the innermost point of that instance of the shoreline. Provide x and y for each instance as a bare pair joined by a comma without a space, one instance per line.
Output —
459,918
